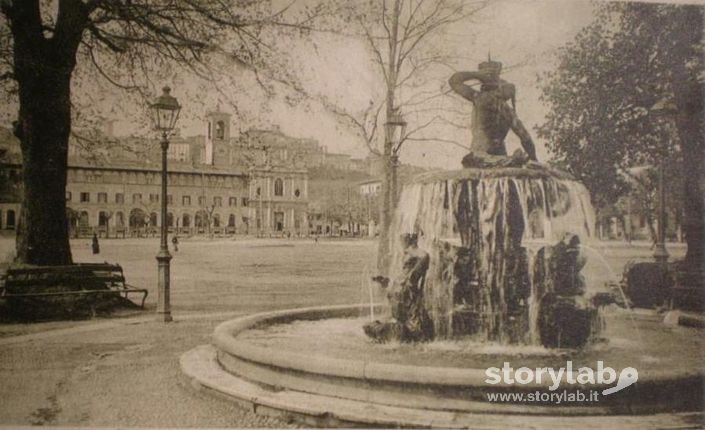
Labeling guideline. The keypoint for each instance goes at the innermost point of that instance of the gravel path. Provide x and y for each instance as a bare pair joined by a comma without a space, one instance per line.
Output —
124,376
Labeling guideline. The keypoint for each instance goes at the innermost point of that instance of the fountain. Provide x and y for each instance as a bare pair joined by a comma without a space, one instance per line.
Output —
500,241
481,279
487,270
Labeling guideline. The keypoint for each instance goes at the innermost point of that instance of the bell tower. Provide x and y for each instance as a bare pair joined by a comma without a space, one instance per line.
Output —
217,137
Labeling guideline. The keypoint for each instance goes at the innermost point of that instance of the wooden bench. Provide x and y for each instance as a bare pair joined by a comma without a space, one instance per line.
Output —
75,279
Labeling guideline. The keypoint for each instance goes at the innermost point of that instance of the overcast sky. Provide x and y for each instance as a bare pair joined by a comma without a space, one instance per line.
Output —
517,32
524,32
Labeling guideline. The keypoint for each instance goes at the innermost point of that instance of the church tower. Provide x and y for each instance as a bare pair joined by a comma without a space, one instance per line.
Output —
217,138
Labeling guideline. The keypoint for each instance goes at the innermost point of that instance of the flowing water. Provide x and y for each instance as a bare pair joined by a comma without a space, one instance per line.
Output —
601,258
483,231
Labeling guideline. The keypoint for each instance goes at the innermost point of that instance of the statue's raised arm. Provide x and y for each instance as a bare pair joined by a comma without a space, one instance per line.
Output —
457,84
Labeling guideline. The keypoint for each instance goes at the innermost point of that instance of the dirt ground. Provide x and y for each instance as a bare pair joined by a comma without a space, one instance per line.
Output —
123,371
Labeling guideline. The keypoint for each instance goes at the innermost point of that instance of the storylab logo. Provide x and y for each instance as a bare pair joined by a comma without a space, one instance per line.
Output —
556,378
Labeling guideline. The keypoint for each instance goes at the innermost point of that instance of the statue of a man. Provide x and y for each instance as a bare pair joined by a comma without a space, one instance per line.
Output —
410,321
492,115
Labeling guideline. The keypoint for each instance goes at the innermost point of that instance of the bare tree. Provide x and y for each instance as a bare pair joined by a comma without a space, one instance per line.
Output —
402,37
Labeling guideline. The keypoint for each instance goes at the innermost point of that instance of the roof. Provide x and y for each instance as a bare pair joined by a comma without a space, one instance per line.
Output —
173,167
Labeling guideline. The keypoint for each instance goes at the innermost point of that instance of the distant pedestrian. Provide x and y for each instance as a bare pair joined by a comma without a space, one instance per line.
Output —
175,242
95,245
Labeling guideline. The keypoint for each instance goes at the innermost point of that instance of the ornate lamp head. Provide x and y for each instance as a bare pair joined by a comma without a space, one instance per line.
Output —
165,111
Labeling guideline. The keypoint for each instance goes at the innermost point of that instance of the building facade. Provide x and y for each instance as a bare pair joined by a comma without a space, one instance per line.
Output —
279,200
126,200
213,181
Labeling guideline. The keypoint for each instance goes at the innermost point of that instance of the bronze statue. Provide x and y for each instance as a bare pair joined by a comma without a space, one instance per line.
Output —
492,117
410,321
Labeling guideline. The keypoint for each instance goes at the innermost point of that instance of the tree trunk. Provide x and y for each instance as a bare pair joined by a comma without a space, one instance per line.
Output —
689,94
43,129
384,251
694,194
43,67
650,224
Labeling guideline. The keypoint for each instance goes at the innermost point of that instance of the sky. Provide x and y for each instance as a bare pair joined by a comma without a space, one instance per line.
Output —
523,34
517,32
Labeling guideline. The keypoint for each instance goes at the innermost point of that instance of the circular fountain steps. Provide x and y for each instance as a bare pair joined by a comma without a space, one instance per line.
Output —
332,391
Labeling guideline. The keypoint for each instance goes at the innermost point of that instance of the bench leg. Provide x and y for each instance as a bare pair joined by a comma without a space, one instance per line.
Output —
144,297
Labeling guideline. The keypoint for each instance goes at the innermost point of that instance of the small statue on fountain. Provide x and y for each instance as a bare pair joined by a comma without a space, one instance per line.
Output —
567,317
410,322
492,118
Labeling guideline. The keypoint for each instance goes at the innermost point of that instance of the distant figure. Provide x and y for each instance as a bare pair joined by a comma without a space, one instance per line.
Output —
95,245
175,242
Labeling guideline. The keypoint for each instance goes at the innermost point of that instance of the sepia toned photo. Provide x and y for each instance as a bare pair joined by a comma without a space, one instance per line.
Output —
472,214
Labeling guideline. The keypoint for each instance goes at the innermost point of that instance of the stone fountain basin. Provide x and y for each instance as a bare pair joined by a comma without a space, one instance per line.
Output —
323,351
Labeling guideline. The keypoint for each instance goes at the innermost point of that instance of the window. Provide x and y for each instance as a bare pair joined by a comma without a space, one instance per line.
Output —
202,200
137,198
119,219
245,201
83,219
297,193
278,187
102,197
10,221
217,201
169,199
103,218
231,220
232,201
220,130
85,197
154,198
119,198
68,196
186,201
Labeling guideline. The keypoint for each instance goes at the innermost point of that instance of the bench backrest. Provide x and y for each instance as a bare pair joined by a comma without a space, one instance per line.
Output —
79,276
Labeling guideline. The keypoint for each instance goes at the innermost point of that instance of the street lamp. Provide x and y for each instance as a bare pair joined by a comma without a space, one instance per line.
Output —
396,130
165,112
662,107
660,252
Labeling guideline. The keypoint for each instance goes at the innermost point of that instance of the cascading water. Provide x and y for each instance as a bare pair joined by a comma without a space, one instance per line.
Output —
482,229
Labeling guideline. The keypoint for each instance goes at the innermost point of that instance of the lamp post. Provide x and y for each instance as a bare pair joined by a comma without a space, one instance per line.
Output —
662,108
660,252
396,130
165,113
